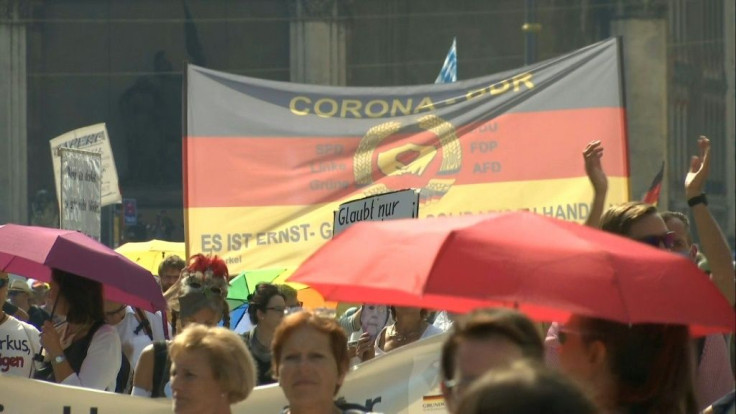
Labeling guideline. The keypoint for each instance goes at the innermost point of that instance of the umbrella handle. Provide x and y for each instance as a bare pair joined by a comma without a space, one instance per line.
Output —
39,356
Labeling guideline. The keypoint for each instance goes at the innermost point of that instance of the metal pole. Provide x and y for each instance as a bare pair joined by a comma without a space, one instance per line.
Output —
530,29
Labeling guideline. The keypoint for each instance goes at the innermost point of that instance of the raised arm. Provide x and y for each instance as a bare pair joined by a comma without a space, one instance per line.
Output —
713,242
592,155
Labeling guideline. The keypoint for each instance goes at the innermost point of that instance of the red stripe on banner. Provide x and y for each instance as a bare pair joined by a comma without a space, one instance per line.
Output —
252,171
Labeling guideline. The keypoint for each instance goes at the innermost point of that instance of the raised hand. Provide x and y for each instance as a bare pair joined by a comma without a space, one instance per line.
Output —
592,155
699,169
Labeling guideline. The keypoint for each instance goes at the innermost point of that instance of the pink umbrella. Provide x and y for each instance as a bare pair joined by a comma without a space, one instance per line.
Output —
33,251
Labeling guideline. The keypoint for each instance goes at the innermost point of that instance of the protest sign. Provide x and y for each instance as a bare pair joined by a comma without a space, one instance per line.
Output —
92,138
267,163
388,206
81,184
404,381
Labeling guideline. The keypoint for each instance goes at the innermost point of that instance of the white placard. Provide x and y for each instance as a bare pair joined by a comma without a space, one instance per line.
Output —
81,189
388,206
92,138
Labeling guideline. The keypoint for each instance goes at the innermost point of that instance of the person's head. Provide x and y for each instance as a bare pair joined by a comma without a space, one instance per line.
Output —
20,294
40,292
525,387
484,340
290,297
210,368
169,270
310,359
637,366
266,306
638,221
114,312
4,285
203,290
76,297
680,224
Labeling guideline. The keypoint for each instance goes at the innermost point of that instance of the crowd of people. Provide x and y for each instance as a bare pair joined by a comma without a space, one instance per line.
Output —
492,360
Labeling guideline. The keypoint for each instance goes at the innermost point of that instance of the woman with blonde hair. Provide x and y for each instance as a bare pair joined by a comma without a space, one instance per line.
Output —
211,369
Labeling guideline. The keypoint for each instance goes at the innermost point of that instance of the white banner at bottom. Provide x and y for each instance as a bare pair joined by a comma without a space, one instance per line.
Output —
405,381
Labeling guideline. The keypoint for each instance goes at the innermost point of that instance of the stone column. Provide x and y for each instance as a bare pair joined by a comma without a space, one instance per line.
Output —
13,151
729,43
645,77
317,43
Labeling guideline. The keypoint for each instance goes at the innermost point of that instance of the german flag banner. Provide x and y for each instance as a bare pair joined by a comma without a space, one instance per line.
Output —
266,163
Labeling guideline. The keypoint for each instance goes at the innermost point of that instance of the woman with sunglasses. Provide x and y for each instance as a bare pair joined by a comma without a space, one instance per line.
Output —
266,309
640,368
637,368
631,368
202,289
642,222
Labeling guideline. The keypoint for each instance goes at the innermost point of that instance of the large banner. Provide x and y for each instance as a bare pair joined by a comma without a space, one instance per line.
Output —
90,138
405,381
267,163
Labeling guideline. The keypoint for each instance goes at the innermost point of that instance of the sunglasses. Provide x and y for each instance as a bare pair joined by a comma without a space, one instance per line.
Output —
667,240
4,282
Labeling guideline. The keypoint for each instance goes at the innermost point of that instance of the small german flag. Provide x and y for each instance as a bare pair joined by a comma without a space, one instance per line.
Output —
652,195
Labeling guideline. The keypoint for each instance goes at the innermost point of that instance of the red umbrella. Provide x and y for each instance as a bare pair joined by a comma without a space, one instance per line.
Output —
547,268
33,251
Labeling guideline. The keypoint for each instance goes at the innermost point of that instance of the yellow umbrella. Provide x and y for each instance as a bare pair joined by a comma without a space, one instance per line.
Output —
149,254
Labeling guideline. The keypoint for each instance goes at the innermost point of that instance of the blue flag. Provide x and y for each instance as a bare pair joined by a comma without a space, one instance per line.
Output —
448,73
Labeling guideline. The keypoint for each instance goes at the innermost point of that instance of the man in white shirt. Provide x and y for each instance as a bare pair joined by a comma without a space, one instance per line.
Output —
19,341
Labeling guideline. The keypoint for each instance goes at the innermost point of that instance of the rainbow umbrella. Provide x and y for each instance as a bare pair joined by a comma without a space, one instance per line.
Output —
243,284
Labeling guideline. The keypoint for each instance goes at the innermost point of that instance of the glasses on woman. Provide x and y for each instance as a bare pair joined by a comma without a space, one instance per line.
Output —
667,240
277,309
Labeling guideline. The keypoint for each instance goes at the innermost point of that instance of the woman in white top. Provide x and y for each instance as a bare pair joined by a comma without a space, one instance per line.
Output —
84,351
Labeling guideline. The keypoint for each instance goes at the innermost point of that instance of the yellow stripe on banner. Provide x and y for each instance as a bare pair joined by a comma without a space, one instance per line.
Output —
283,236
